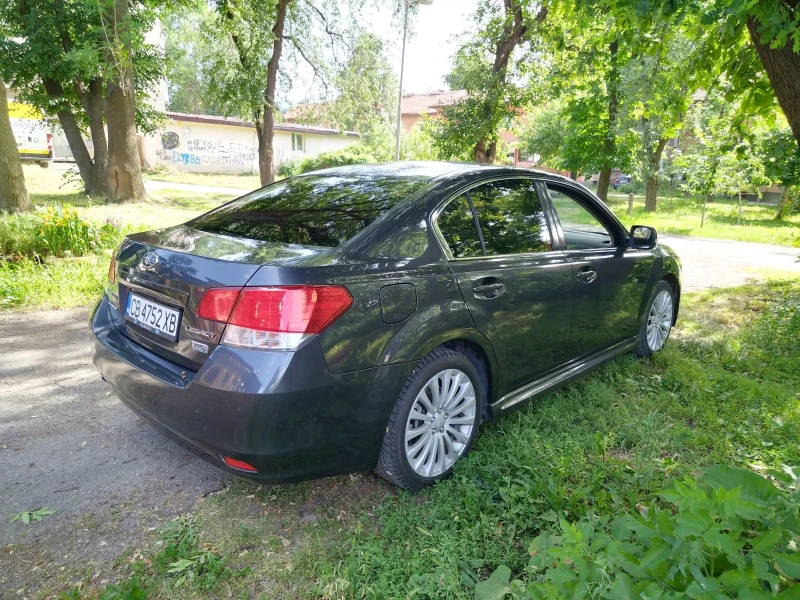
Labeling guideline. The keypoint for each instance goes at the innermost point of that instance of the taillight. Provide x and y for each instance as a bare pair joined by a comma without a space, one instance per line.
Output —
217,304
50,145
112,270
274,318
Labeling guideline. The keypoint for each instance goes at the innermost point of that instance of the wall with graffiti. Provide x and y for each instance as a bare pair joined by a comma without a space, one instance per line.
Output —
216,148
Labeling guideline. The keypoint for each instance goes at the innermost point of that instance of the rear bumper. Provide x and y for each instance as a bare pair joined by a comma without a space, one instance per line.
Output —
284,413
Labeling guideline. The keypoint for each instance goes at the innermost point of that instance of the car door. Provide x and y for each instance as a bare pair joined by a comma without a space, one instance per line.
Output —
610,277
519,290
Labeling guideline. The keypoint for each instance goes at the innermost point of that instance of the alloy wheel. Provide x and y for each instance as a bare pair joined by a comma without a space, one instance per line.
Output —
659,321
440,423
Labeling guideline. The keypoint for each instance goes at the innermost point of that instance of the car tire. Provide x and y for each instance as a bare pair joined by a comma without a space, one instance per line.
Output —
446,435
658,320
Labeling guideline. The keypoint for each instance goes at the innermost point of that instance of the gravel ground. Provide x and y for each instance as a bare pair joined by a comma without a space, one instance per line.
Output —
66,442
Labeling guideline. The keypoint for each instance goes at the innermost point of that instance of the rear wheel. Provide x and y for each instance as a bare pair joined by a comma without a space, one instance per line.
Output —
657,322
434,421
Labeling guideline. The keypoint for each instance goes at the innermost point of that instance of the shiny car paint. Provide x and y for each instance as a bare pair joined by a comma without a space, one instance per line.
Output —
322,409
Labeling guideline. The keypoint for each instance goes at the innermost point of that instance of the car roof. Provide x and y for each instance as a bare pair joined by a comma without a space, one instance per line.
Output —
428,170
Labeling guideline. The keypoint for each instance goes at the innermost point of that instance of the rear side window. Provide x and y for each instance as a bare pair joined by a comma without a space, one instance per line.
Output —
458,229
321,210
511,217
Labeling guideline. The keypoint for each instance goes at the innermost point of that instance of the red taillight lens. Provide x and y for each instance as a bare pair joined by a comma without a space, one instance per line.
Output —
239,464
300,309
112,270
217,304
274,318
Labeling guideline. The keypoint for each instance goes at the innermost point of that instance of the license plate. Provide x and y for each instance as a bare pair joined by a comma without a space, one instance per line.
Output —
152,316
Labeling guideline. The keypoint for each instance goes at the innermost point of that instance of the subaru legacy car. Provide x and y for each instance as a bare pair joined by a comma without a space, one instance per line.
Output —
371,317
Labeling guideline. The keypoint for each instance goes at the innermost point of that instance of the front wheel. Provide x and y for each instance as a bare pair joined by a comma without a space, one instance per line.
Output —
434,421
658,319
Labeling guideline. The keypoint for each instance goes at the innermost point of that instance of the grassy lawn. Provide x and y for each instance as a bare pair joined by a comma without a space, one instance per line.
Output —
725,390
72,282
245,181
681,216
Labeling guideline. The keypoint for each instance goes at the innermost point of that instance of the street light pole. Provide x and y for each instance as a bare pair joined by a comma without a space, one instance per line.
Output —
400,92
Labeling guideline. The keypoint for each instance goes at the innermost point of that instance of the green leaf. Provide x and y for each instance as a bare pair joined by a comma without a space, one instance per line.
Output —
622,589
789,564
766,541
26,517
754,488
723,542
496,587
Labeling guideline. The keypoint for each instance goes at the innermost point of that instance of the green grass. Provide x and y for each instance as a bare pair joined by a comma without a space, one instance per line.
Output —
245,181
681,216
72,282
724,390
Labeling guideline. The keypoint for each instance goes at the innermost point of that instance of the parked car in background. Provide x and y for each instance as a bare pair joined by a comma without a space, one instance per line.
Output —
621,180
34,141
373,316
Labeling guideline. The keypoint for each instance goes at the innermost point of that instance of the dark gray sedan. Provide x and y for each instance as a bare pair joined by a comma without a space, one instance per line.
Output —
372,317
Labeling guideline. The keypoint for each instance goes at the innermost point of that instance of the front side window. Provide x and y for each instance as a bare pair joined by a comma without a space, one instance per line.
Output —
582,230
313,210
511,217
458,229
297,142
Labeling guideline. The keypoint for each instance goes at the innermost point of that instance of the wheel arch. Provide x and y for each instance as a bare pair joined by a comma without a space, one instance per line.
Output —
480,352
673,282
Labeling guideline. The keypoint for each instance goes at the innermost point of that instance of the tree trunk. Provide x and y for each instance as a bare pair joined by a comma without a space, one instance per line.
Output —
703,214
513,30
610,142
784,203
783,69
602,184
74,135
13,193
124,167
267,136
94,105
654,168
739,221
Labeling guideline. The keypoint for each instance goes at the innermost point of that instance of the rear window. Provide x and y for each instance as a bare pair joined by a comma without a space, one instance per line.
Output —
321,210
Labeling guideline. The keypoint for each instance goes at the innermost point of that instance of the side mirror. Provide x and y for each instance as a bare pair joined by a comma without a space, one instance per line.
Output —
643,237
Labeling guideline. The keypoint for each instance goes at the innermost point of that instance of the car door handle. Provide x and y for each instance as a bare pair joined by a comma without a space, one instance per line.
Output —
586,275
489,287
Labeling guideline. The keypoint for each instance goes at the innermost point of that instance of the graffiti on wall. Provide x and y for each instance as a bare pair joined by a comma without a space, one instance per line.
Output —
204,152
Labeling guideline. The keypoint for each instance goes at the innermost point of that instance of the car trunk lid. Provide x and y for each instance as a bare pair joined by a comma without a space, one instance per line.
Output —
171,269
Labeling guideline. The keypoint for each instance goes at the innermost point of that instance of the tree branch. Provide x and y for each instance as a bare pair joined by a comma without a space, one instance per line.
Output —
317,74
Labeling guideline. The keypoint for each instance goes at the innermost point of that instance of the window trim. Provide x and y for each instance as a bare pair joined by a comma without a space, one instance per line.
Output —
596,208
302,139
433,220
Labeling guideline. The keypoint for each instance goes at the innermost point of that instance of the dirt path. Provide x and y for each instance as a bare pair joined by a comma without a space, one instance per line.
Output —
721,263
66,442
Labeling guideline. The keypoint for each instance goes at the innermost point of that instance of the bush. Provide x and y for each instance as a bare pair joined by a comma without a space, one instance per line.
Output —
289,168
634,187
730,534
63,231
55,231
18,235
353,155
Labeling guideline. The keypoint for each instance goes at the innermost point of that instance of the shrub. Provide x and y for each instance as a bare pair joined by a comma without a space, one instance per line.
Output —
634,187
18,235
63,231
288,168
353,155
730,534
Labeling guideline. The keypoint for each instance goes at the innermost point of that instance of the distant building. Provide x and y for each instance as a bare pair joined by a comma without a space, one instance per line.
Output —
212,144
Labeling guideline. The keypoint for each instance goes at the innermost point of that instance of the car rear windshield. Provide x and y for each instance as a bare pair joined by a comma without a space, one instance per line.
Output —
314,210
